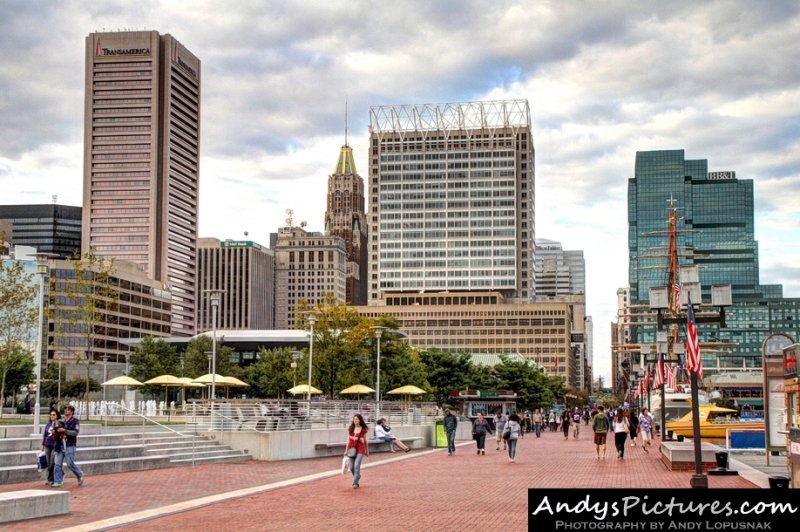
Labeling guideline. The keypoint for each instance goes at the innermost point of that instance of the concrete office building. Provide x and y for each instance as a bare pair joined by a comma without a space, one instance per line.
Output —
344,217
143,309
558,271
308,266
50,228
484,322
451,199
141,159
244,272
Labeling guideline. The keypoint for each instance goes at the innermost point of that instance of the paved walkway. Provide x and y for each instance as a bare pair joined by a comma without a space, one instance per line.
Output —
421,490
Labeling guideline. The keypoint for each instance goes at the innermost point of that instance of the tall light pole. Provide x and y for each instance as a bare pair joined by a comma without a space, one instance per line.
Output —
295,357
312,320
42,268
378,330
214,296
60,357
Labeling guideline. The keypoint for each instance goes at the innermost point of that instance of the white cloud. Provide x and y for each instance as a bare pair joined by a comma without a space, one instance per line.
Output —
603,81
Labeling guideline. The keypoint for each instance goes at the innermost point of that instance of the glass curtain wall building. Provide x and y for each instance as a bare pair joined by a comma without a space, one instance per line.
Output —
715,232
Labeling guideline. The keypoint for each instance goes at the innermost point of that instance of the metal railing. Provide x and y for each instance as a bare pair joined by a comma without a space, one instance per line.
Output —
282,415
146,419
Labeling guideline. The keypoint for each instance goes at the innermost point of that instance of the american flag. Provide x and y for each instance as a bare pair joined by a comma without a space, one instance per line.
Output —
647,380
693,360
672,377
638,389
676,297
659,378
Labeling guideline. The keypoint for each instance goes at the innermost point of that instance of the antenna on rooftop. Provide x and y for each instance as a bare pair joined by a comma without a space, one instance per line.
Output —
55,199
345,121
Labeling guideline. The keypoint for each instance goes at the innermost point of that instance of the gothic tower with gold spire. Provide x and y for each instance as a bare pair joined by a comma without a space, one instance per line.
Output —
345,217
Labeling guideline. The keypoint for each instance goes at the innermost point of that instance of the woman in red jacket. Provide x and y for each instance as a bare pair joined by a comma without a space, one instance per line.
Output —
357,447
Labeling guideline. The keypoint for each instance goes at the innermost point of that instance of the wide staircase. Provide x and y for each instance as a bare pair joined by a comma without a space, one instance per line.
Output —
114,450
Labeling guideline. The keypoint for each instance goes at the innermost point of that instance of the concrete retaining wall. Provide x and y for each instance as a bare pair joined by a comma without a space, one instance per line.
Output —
298,444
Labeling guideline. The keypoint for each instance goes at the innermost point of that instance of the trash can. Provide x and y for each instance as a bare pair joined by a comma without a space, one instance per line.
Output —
722,459
441,435
779,482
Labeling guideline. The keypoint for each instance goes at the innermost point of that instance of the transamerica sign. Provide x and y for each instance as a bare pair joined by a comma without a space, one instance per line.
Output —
100,50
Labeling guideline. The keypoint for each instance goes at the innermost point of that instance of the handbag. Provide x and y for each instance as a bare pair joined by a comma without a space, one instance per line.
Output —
345,465
351,452
507,434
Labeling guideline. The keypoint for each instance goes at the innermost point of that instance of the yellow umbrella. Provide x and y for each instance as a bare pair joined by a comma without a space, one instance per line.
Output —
233,381
166,381
357,389
407,390
207,378
186,382
303,389
122,380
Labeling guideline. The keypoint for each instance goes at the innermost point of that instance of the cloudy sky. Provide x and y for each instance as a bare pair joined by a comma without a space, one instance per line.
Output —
604,79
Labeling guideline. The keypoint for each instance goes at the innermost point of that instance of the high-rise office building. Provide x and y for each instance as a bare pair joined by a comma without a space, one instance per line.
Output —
451,199
141,158
308,267
558,271
716,233
244,272
50,228
344,217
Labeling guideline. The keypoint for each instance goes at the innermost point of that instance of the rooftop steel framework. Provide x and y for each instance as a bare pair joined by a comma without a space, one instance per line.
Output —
450,117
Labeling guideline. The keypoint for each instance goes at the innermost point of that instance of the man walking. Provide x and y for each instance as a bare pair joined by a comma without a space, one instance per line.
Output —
450,424
499,425
600,426
537,422
71,429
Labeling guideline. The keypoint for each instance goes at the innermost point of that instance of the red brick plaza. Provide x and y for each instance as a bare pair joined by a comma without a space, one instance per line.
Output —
421,490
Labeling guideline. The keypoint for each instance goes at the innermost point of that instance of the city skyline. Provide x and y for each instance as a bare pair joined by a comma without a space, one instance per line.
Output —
603,82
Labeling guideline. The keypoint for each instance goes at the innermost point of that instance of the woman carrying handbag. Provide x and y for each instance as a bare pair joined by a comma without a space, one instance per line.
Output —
357,447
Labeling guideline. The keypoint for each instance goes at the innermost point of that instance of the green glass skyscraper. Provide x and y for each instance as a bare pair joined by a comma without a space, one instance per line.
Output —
716,233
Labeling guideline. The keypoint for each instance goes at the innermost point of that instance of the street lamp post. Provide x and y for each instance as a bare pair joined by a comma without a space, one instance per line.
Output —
312,320
295,357
42,268
378,330
60,357
214,296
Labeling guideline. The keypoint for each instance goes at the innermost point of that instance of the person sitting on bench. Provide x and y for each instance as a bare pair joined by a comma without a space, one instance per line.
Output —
382,433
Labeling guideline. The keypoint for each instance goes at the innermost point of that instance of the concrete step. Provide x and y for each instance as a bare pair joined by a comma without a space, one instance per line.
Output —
35,443
81,454
11,475
186,449
29,504
23,431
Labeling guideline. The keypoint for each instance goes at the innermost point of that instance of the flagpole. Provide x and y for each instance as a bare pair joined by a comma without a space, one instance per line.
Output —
698,480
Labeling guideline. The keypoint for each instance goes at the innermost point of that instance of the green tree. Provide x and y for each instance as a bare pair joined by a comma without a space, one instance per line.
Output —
77,387
272,374
340,344
153,357
18,318
196,359
90,299
446,372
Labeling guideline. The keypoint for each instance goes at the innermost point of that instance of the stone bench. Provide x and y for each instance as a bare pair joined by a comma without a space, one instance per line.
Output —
30,504
375,445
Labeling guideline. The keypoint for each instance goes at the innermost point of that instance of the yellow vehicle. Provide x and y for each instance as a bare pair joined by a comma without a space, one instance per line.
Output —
714,423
